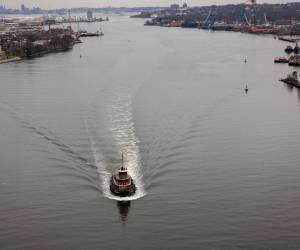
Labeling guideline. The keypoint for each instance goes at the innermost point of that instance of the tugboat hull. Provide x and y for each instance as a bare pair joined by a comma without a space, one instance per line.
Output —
122,191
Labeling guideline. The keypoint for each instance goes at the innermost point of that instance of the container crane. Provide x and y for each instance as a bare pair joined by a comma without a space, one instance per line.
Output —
209,21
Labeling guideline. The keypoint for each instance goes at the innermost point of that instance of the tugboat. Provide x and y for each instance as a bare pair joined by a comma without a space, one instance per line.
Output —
121,183
292,80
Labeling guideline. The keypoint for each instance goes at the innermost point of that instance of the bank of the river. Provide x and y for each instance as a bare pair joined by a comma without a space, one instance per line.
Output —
35,42
276,19
13,59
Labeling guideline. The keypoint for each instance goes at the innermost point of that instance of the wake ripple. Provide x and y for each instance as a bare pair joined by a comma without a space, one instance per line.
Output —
48,136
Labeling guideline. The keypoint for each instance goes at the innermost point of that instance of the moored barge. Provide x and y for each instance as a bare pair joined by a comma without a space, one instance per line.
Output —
292,79
281,60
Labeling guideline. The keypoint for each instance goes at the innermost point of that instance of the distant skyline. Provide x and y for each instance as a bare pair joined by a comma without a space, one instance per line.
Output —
50,4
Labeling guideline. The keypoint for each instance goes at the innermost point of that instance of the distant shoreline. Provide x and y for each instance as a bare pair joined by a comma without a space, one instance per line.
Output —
33,11
13,59
38,10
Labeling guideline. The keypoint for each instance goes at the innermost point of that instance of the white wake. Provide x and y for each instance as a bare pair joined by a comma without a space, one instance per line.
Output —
123,133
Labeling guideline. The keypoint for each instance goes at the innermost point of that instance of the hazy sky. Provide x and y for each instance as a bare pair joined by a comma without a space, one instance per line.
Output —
103,3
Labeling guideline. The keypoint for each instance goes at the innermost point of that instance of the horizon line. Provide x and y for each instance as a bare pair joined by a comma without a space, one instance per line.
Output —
146,6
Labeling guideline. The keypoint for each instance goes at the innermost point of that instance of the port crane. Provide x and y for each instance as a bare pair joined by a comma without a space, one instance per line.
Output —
266,20
243,16
209,21
250,6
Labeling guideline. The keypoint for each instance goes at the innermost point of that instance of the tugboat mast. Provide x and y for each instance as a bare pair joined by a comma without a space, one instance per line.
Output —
122,168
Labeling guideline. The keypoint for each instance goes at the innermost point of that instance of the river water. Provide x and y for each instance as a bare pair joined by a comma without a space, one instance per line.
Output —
215,168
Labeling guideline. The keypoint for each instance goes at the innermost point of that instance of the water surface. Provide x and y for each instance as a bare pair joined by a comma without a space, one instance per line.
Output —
215,168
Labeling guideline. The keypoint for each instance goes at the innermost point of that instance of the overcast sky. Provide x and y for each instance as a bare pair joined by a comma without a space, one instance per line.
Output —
127,3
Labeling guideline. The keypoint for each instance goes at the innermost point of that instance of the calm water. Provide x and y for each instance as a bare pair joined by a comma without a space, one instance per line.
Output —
215,168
